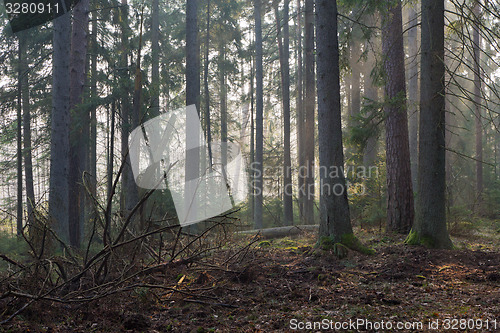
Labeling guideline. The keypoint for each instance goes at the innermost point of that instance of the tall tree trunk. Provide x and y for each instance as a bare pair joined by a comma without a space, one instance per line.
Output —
208,129
92,165
192,55
334,207
223,102
413,91
309,113
110,166
258,184
371,96
28,160
400,211
124,104
19,217
430,218
477,100
135,117
355,74
155,59
79,121
300,111
284,53
192,94
59,144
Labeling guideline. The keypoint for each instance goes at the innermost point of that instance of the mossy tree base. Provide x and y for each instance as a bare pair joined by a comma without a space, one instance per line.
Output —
415,238
347,241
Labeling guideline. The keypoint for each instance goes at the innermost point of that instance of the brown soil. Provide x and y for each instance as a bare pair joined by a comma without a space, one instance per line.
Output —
273,286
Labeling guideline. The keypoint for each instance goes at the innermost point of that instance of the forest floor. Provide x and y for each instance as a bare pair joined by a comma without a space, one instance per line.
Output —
284,284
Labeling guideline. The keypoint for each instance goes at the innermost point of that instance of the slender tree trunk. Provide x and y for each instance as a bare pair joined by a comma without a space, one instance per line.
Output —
252,139
284,53
356,75
334,207
430,218
155,59
208,129
59,144
223,102
300,111
309,112
93,111
192,55
20,74
28,160
192,95
132,189
477,100
371,96
79,135
124,104
413,91
258,183
111,155
400,210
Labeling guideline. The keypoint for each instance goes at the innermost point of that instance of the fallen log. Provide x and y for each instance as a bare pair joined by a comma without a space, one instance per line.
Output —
280,232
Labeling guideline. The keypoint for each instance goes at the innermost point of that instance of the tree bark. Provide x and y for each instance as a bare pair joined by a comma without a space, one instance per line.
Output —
92,165
284,54
19,116
223,101
334,207
28,160
400,210
192,92
208,129
300,111
309,113
124,104
79,121
355,74
155,59
371,96
430,218
413,91
59,144
258,182
477,100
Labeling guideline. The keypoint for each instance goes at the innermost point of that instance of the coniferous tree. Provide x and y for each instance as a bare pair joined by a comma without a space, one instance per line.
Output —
258,182
430,214
334,208
59,144
400,211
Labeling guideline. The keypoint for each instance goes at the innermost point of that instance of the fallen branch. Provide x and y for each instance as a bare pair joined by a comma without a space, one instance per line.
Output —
280,232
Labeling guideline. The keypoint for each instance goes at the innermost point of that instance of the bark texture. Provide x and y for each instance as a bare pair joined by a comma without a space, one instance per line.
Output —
309,124
334,207
79,135
430,220
259,121
284,53
59,144
400,210
413,91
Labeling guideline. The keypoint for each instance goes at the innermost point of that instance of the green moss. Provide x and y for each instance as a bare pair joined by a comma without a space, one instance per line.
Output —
347,241
326,243
264,244
414,238
353,243
340,250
